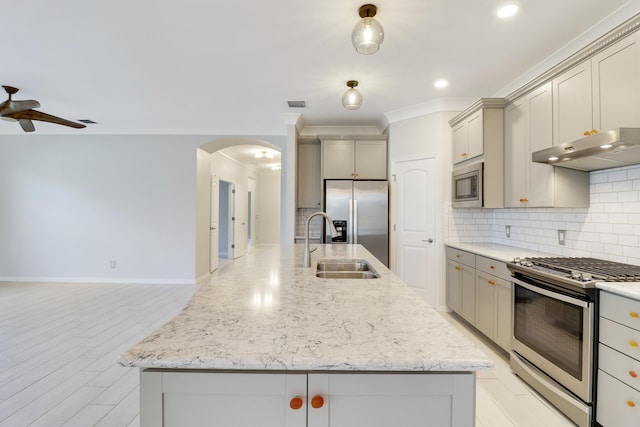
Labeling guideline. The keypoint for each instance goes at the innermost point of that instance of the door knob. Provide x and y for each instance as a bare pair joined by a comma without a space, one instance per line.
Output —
212,228
429,240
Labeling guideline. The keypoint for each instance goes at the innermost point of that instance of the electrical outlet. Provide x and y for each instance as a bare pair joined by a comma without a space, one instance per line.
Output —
562,237
507,230
112,263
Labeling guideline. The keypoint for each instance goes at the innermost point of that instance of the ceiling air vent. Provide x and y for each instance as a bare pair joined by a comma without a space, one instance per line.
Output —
296,104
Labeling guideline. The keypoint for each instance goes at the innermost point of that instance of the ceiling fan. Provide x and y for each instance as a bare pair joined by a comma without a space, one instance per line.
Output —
23,112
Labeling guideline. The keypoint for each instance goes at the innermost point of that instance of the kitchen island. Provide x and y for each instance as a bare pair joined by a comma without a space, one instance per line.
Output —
266,342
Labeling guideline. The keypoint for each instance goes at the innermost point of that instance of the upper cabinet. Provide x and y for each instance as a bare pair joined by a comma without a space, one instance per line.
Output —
528,128
616,85
477,130
354,159
599,94
309,174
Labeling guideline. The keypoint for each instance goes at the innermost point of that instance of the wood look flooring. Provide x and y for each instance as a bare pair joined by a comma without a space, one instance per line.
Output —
59,344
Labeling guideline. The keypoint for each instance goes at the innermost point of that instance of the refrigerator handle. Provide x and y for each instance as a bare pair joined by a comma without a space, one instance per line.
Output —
350,224
355,222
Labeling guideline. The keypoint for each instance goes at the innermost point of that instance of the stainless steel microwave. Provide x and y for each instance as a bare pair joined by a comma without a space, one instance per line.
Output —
467,186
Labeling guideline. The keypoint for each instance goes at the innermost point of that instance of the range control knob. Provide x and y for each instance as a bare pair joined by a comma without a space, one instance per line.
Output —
516,260
527,263
576,275
586,277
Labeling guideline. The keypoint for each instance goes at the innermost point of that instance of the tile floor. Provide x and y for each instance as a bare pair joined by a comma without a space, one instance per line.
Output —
59,344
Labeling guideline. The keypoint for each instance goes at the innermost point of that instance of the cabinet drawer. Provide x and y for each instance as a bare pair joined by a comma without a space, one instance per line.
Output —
618,404
463,257
620,366
492,266
620,309
621,338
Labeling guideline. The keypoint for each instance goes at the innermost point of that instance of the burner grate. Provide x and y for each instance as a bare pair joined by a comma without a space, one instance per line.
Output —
607,271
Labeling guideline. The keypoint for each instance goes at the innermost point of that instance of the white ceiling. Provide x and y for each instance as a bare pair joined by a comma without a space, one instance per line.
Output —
228,67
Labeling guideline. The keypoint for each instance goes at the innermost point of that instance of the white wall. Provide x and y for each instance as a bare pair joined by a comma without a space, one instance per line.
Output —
69,204
428,135
203,213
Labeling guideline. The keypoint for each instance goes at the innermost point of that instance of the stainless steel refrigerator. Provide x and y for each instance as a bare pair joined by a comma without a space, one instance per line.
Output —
360,212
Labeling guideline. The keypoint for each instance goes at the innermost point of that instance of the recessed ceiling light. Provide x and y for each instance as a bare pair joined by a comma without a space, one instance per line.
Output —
507,10
88,121
441,83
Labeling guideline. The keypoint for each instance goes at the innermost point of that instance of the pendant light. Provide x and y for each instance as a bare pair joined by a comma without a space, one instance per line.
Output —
367,35
352,99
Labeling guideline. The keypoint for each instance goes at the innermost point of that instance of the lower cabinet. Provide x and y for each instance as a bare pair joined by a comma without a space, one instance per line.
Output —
618,398
479,290
235,399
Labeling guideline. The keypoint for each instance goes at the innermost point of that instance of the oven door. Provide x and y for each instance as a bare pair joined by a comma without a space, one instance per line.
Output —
554,332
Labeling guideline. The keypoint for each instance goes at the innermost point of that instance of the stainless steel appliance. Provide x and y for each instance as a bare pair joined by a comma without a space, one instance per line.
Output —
611,149
467,186
360,212
555,307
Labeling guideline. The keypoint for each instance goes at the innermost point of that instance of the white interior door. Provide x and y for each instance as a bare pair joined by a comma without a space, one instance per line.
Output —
415,207
213,224
240,220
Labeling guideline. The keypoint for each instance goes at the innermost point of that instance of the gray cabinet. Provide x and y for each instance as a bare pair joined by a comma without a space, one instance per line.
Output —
354,159
599,94
479,289
309,189
528,128
461,287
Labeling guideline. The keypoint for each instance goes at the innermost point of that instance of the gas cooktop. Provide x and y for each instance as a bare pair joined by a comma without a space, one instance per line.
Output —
580,272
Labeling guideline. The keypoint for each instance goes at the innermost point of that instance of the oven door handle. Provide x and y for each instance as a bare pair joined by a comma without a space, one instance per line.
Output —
550,294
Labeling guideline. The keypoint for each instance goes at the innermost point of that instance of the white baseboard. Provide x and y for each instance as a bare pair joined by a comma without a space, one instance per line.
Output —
136,280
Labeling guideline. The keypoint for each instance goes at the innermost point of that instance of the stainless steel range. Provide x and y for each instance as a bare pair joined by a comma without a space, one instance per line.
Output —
555,309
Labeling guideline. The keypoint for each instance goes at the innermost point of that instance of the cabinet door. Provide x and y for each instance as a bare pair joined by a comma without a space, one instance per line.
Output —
228,399
454,277
338,159
503,303
468,294
371,160
460,138
309,176
572,104
485,284
515,154
616,86
383,400
475,134
540,179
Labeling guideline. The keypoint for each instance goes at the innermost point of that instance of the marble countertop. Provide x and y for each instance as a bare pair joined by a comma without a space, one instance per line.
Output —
499,252
265,312
625,289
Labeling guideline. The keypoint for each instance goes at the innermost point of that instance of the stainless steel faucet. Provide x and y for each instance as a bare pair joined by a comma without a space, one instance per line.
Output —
306,256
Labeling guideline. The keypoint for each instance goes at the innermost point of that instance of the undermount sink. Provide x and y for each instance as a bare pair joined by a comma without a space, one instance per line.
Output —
345,269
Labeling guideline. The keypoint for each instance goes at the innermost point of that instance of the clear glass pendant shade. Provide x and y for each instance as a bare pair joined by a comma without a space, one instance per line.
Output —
352,99
367,36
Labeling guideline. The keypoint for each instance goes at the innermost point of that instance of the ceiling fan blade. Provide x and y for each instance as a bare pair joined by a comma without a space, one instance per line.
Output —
9,106
27,125
44,117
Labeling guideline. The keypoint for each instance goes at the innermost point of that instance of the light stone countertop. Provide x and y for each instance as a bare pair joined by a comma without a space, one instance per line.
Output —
498,252
625,289
265,312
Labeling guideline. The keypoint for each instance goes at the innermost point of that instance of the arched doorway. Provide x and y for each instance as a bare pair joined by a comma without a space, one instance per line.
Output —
255,204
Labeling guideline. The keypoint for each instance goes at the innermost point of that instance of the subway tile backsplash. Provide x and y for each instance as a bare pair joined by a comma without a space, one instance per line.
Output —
609,229
315,226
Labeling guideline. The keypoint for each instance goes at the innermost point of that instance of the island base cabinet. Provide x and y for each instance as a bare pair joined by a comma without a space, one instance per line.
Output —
192,398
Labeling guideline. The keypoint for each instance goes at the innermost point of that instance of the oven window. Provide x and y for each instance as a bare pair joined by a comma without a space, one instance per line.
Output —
551,328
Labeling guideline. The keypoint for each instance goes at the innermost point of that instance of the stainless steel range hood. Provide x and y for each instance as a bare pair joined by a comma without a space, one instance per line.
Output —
605,150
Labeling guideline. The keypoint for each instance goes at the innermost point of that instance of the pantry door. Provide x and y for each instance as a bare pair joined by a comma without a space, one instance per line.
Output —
415,225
